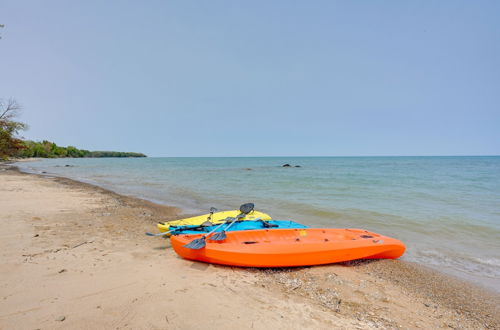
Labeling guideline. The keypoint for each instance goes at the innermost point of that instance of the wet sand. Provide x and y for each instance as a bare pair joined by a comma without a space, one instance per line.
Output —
74,256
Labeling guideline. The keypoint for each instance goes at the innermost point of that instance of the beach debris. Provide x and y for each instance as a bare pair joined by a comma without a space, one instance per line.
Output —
304,285
292,284
42,253
36,235
61,318
62,271
88,242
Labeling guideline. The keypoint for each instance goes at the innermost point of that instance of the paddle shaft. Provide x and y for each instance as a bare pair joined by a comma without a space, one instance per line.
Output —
200,243
220,236
229,226
213,231
181,229
239,216
159,234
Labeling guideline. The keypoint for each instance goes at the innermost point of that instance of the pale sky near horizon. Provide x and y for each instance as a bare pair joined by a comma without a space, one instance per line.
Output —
256,78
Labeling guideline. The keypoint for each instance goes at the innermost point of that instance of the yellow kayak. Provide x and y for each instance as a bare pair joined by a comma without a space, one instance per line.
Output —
216,218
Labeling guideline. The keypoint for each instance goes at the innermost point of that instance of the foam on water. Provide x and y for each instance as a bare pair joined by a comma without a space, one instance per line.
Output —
446,209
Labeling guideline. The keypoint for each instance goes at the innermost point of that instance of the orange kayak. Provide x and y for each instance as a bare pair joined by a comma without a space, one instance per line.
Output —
290,247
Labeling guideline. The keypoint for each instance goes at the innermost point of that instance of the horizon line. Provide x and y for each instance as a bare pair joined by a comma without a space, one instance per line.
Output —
339,156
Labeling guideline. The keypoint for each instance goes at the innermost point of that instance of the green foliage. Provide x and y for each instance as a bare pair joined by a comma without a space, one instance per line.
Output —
47,149
9,144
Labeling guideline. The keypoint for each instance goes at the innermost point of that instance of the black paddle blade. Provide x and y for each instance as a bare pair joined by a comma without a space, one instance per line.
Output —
213,209
247,208
196,244
220,236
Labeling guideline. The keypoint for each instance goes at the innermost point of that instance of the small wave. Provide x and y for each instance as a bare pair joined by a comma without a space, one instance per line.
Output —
480,267
487,261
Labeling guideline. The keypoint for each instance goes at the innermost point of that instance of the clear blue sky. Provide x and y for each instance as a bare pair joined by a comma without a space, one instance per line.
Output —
256,78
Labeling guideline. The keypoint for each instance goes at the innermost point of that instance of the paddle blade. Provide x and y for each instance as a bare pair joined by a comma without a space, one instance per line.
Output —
247,208
220,236
196,244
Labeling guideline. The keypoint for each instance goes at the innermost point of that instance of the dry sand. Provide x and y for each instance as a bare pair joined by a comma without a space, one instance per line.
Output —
74,256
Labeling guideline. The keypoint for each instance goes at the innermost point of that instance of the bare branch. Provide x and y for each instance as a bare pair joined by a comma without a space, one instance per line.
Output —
9,110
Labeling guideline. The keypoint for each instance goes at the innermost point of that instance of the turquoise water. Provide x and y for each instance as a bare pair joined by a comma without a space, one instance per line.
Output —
446,209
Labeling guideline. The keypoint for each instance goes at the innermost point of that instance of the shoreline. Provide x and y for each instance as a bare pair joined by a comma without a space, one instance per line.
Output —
486,283
357,294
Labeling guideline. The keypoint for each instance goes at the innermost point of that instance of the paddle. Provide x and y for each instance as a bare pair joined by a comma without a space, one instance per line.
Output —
244,209
200,243
220,236
209,218
212,211
179,230
161,234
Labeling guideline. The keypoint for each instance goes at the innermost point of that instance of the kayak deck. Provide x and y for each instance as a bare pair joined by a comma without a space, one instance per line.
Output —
291,247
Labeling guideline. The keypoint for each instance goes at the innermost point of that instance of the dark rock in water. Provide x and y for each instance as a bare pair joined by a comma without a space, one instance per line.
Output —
298,166
248,169
68,165
286,165
43,172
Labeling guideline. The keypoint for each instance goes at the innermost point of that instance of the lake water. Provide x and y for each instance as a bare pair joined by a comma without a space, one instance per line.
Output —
445,209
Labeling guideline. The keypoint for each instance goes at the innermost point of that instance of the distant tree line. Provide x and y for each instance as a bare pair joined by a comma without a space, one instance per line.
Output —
97,154
11,145
47,149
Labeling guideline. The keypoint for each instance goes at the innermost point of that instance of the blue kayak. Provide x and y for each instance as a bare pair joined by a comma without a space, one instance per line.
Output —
239,225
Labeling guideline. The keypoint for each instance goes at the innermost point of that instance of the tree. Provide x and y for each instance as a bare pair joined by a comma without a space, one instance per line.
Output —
10,144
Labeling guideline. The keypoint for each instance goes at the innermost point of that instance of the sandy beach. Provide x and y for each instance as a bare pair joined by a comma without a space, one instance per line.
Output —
74,256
